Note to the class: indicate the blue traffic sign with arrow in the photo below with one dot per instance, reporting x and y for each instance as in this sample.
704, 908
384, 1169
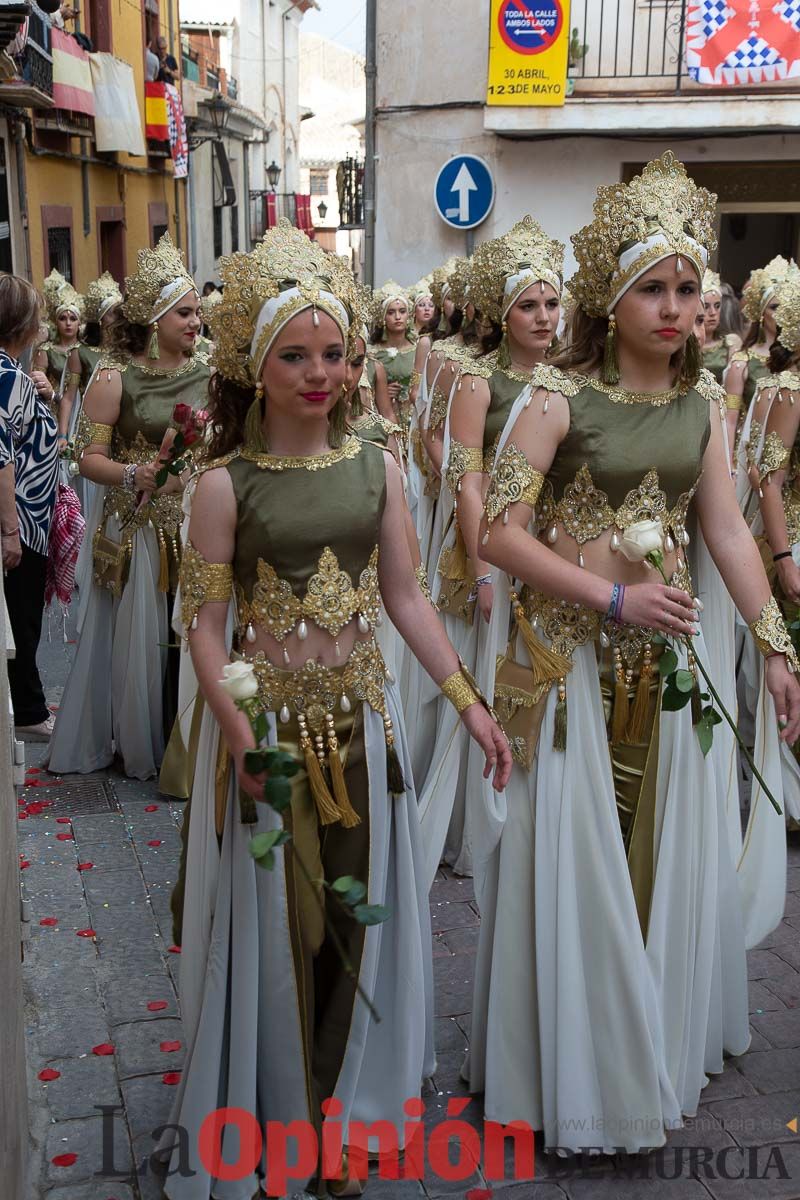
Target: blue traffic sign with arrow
464, 191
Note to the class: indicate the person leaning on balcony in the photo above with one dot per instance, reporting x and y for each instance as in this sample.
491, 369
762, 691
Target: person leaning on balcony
152, 65
28, 483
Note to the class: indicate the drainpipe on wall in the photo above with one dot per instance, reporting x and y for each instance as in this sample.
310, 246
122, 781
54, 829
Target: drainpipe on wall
370, 72
22, 196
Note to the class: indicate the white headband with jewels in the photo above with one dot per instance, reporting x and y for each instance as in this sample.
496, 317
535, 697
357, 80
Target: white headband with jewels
640, 257
392, 300
279, 310
67, 308
169, 296
516, 284
109, 303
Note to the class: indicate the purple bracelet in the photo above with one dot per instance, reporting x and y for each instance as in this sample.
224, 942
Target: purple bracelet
617, 614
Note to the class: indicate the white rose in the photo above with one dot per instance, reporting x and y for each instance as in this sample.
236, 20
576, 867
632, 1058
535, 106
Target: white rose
641, 539
239, 680
391, 352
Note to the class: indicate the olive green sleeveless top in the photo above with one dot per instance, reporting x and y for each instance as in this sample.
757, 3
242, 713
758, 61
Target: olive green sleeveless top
149, 395
620, 442
56, 362
716, 360
307, 531
504, 387
89, 357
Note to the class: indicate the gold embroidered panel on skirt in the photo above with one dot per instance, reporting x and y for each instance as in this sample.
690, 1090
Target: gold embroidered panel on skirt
438, 410
164, 512
331, 600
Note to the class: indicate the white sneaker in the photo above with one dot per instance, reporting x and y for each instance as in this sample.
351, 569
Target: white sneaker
37, 733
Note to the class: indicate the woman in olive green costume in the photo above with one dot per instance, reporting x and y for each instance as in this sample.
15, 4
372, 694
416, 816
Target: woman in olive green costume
65, 311
121, 694
392, 346
612, 975
296, 540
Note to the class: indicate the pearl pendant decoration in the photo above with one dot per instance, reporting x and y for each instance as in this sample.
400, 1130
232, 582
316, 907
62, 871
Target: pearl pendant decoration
379, 620
580, 558
527, 403
286, 658
552, 535
615, 541
363, 624
485, 538
336, 649
194, 621
505, 517
669, 545
698, 603
605, 640
284, 715
251, 633
546, 404
314, 318
685, 537
302, 630
472, 388
389, 676
345, 704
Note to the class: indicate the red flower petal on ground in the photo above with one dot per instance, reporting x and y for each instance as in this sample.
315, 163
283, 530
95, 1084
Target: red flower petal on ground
33, 783
85, 933
171, 1078
87, 866
64, 837
174, 949
33, 771
156, 1005
48, 1073
156, 842
103, 1049
169, 1047
24, 864
64, 1160
22, 816
151, 808
48, 921
63, 820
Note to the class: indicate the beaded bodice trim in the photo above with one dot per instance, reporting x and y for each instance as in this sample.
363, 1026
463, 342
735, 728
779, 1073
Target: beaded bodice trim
311, 462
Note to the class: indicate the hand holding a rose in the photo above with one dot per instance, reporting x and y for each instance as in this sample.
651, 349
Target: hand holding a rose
670, 610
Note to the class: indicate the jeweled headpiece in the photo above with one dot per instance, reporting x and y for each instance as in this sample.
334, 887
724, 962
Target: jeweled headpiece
101, 296
284, 275
764, 284
160, 281
60, 297
440, 281
660, 213
209, 302
458, 281
711, 283
386, 295
787, 314
503, 268
421, 289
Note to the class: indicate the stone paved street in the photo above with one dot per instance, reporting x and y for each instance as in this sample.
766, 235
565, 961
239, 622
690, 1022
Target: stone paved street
102, 1011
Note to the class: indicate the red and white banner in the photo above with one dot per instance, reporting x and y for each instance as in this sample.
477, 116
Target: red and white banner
72, 75
734, 42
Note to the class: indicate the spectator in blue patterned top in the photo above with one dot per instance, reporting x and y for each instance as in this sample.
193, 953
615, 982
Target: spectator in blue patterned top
28, 483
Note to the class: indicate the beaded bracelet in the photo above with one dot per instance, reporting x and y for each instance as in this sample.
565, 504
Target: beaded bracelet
129, 477
783, 554
483, 580
614, 612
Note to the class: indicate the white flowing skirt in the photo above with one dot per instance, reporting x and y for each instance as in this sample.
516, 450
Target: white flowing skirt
237, 984
113, 699
578, 1028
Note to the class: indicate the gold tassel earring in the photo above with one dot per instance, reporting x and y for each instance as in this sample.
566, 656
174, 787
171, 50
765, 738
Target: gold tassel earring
610, 364
503, 351
692, 361
253, 428
337, 421
152, 349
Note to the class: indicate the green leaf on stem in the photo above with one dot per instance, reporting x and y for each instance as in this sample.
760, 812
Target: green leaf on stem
263, 845
255, 762
658, 639
343, 884
371, 914
178, 442
356, 894
667, 663
278, 792
279, 762
161, 477
674, 700
684, 681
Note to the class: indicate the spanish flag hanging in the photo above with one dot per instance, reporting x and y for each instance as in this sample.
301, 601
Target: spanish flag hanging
155, 112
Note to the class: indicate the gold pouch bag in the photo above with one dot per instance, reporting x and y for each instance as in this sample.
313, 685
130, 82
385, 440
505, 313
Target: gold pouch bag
111, 561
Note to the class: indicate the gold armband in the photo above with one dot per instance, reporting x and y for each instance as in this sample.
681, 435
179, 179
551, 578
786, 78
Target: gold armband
732, 403
461, 690
513, 481
201, 583
415, 378
462, 460
96, 435
774, 456
73, 377
771, 635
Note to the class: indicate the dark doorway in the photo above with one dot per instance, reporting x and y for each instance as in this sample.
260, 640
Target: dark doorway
750, 239
6, 257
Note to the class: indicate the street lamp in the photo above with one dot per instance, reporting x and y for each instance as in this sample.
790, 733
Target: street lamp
220, 111
273, 174
322, 209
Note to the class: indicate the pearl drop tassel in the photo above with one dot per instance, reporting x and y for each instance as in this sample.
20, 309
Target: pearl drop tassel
389, 676
194, 621
546, 404
314, 317
485, 538
336, 649
286, 658
363, 624
552, 535
302, 631
698, 603
505, 517
580, 558
284, 715
605, 640
685, 537
528, 402
379, 620
615, 542
669, 545
345, 704
251, 633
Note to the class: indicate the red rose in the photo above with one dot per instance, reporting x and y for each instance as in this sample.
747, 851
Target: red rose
190, 436
181, 414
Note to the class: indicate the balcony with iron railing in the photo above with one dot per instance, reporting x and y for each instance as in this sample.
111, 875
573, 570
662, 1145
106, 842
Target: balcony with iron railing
266, 209
26, 62
350, 189
624, 54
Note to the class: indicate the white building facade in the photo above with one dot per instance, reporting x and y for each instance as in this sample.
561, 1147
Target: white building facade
632, 99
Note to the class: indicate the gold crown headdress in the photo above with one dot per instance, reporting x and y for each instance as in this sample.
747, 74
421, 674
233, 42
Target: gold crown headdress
208, 303
458, 281
423, 287
711, 283
285, 274
787, 314
160, 281
504, 267
764, 283
660, 213
101, 295
440, 281
60, 296
382, 297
